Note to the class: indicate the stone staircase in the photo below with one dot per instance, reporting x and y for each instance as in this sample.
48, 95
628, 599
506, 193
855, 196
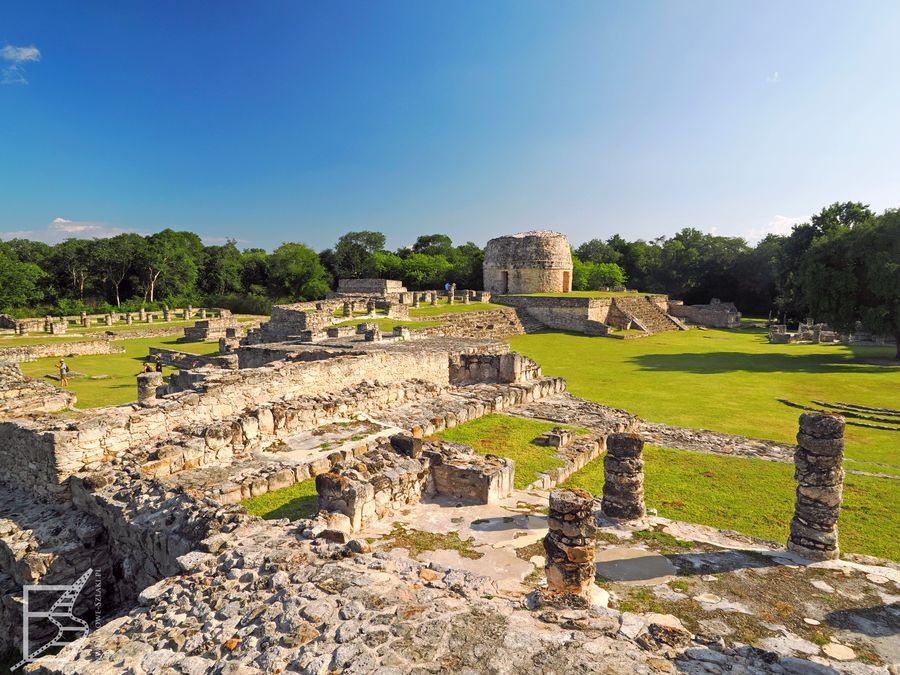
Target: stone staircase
646, 314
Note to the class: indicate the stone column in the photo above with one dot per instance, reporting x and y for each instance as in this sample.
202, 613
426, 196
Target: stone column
87, 321
129, 319
370, 308
188, 312
149, 317
819, 474
348, 311
415, 300
147, 384
401, 298
466, 298
569, 544
203, 312
84, 319
167, 315
623, 472
451, 295
109, 319
433, 298
142, 314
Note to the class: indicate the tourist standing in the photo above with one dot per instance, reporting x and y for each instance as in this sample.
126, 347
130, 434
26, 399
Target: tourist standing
63, 373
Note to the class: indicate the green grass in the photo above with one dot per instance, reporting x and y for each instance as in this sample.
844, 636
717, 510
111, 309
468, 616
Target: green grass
49, 339
756, 497
444, 308
300, 500
119, 386
728, 381
510, 437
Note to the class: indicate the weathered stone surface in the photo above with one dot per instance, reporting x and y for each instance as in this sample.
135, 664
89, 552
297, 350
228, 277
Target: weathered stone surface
623, 468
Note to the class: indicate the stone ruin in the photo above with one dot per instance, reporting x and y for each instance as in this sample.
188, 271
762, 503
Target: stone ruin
148, 494
539, 261
716, 314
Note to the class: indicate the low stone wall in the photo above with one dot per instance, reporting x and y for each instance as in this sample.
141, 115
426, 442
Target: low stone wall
186, 361
401, 471
560, 313
494, 323
25, 353
716, 314
474, 368
20, 395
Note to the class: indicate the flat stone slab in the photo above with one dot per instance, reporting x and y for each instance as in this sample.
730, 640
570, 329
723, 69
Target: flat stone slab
635, 566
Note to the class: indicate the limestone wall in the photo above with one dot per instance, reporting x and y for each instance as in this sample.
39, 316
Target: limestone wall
370, 286
716, 314
24, 353
185, 360
43, 454
561, 313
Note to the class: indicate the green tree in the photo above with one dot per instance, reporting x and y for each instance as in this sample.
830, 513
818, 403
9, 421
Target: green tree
425, 271
851, 275
116, 258
598, 251
18, 280
222, 266
75, 259
169, 264
296, 274
353, 254
434, 244
255, 271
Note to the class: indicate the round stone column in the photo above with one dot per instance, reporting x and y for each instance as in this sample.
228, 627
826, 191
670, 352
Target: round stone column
819, 474
147, 384
569, 544
623, 472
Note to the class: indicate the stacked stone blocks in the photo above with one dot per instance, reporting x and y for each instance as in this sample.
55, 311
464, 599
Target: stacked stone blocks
569, 544
820, 482
623, 470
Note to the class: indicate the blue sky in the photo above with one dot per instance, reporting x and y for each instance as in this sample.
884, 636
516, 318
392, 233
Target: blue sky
297, 121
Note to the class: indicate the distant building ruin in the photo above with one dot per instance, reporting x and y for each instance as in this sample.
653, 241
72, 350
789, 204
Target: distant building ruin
539, 261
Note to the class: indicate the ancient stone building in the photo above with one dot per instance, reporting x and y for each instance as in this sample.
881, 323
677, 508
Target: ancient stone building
529, 262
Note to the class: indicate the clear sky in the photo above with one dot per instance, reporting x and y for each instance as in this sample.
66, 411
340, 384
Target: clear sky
297, 121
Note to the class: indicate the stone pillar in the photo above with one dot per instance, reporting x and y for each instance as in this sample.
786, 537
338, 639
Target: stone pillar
167, 315
569, 544
348, 310
142, 314
819, 474
129, 319
373, 335
84, 319
48, 321
59, 327
451, 295
109, 319
203, 312
149, 317
188, 312
466, 297
87, 321
147, 384
370, 308
401, 298
415, 300
623, 471
401, 332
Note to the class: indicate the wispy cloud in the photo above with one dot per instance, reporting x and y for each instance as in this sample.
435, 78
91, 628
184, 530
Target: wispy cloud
774, 78
14, 72
778, 225
60, 229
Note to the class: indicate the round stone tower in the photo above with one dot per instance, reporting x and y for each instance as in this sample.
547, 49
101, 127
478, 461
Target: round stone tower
529, 262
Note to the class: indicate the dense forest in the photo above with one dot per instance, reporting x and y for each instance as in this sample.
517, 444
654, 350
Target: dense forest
842, 265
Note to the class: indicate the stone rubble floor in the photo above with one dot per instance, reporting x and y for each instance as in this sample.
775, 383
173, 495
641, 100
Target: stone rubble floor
728, 589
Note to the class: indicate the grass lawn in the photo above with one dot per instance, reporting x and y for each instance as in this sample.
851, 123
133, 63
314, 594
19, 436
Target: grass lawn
119, 385
300, 500
444, 308
510, 437
728, 381
756, 497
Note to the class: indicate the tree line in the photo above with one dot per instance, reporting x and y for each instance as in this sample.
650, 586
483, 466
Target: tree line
841, 266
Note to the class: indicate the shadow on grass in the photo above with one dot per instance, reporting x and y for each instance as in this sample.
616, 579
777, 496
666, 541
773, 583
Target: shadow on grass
726, 362
301, 507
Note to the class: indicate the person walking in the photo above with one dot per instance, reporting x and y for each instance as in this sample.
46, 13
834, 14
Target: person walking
63, 373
